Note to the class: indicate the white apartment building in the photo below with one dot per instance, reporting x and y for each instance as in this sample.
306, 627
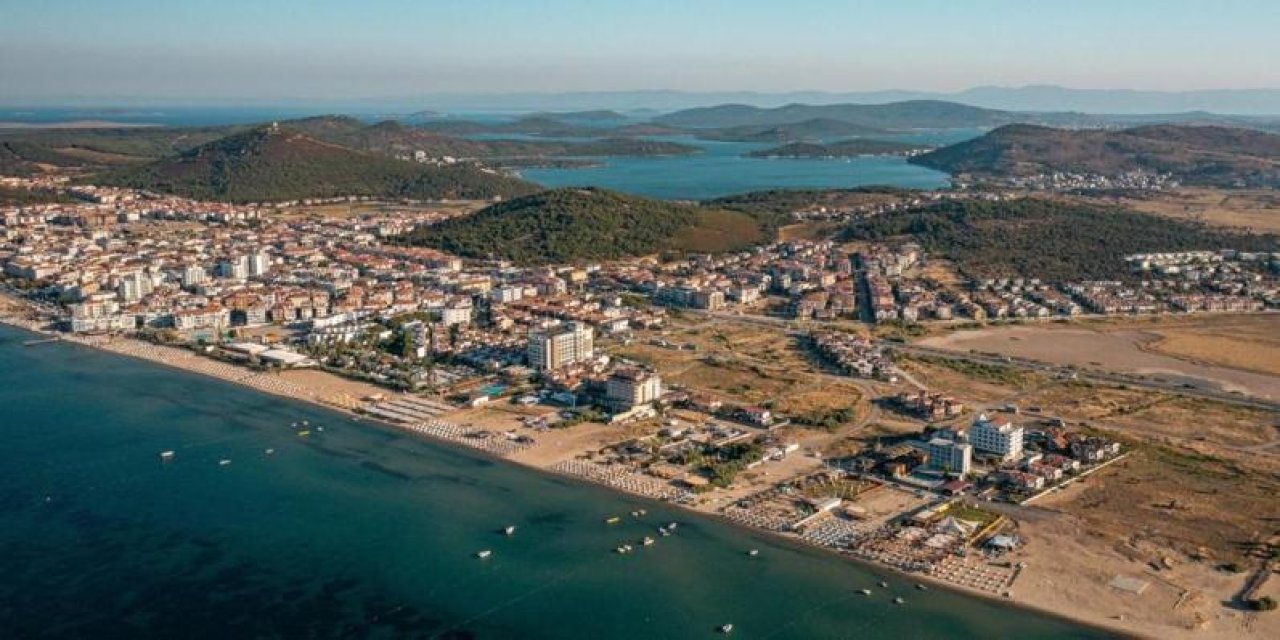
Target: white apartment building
1004, 440
560, 345
192, 275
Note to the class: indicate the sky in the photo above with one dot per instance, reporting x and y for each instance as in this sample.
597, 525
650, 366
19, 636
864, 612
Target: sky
365, 49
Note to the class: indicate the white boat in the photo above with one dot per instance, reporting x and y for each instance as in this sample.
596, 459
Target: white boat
865, 592
921, 587
484, 554
898, 600
672, 527
167, 455
753, 553
663, 531
642, 512
510, 530
270, 452
635, 514
224, 462
726, 627
884, 585
647, 541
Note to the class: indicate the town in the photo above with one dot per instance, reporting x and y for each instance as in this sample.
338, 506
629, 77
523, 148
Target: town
545, 365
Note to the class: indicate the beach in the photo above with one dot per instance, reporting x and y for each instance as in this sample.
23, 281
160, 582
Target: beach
1070, 585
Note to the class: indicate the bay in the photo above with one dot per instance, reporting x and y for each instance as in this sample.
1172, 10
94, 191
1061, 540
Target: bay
359, 531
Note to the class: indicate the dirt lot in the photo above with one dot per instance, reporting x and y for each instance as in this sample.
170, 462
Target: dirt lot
1255, 210
1124, 346
1251, 343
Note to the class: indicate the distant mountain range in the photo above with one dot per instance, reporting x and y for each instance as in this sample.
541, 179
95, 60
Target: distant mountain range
1250, 102
1204, 155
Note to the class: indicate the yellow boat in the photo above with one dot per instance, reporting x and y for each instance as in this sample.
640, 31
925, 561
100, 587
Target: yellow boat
304, 433
612, 520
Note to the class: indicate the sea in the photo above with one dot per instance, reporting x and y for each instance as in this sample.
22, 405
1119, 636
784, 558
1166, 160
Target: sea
723, 168
718, 169
361, 531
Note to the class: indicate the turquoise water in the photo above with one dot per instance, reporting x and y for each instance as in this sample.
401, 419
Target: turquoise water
360, 532
720, 170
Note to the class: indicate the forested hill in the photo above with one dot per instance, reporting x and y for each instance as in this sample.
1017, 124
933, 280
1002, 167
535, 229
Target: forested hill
1204, 155
575, 225
1051, 240
274, 164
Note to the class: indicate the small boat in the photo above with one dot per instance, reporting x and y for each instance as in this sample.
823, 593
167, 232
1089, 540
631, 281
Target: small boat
623, 549
270, 452
484, 554
672, 527
320, 429
304, 433
726, 627
753, 553
305, 423
663, 531
884, 585
898, 600
167, 456
635, 514
294, 425
510, 530
612, 520
224, 462
647, 541
642, 512
865, 592
921, 587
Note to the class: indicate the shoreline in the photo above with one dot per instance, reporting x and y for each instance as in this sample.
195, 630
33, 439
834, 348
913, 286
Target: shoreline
309, 396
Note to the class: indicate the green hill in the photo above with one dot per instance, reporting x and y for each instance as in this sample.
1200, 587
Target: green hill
1204, 155
815, 129
274, 164
1047, 239
631, 147
576, 225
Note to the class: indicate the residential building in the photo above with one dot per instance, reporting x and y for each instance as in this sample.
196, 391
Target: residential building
560, 345
1004, 440
629, 387
950, 457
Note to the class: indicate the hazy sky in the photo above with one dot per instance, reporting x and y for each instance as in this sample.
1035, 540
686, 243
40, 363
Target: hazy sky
274, 49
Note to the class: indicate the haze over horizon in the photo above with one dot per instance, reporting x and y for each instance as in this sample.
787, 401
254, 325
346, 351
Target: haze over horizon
134, 51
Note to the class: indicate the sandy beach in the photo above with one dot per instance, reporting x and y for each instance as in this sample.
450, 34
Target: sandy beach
1066, 576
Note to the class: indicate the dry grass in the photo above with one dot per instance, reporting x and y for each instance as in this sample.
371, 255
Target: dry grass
1179, 500
1241, 342
1254, 210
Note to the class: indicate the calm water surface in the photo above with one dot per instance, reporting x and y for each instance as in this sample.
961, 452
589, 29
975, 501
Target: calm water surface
360, 532
721, 169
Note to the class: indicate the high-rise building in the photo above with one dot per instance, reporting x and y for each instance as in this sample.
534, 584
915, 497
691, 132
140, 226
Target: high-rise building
560, 345
628, 387
1004, 440
259, 263
949, 457
192, 275
236, 268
